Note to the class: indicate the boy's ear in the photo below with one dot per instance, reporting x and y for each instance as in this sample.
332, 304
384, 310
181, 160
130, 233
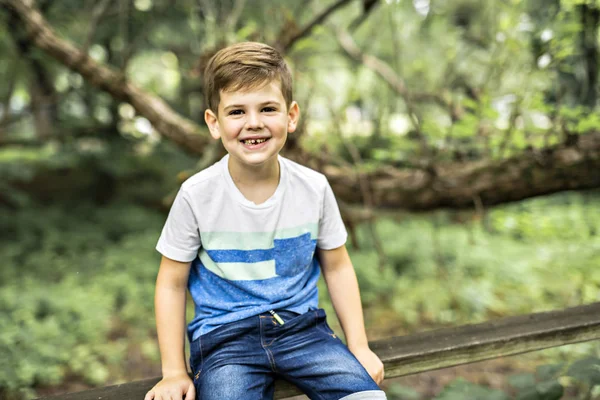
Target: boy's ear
293, 117
213, 123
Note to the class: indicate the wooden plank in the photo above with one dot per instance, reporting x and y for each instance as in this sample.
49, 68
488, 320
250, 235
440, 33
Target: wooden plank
405, 355
503, 337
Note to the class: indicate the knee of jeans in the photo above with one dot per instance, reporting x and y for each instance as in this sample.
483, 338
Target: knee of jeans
366, 395
230, 382
233, 375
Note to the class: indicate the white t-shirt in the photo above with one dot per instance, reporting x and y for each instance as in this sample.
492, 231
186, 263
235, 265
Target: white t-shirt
248, 258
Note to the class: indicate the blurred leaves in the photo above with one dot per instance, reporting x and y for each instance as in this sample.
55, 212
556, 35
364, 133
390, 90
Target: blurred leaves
74, 278
485, 262
461, 389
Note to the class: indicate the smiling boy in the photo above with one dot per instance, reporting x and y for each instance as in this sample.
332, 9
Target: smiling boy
249, 237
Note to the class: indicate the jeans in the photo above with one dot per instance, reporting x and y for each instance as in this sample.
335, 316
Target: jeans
241, 360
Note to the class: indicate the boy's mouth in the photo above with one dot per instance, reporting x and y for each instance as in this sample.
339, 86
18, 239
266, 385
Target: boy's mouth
254, 141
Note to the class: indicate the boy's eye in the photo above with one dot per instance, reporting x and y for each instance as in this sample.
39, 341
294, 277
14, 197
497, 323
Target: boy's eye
235, 112
269, 109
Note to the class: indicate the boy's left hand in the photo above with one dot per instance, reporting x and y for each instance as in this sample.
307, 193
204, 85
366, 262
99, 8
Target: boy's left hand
370, 361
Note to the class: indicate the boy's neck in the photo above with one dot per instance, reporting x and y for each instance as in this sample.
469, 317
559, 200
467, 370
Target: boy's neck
256, 183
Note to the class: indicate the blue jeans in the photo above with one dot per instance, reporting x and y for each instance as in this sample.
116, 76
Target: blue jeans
241, 360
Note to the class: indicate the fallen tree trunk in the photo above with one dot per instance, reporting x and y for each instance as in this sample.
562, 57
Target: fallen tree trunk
488, 182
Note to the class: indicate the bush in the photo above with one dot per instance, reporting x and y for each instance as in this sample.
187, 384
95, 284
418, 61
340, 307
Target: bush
72, 280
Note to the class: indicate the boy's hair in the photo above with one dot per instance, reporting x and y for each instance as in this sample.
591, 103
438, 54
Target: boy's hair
244, 66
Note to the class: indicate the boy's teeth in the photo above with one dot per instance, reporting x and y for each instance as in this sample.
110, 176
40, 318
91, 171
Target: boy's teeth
254, 141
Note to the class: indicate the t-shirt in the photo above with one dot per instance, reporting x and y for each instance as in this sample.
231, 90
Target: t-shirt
249, 258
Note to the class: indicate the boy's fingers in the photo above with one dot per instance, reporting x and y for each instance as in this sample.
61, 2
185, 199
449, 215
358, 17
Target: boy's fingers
191, 393
149, 395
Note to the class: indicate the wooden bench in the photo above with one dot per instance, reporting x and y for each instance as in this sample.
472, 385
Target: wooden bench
405, 355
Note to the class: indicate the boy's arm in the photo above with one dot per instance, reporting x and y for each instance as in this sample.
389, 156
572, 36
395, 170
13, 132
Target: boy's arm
342, 285
169, 303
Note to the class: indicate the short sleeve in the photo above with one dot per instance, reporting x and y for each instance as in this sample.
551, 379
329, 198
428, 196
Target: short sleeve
332, 232
180, 236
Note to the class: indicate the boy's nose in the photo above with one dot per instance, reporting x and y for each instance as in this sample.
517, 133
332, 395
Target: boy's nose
253, 121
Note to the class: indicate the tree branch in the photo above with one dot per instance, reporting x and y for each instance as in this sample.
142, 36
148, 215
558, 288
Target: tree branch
235, 15
385, 71
98, 13
394, 81
456, 184
368, 7
41, 87
5, 100
179, 129
287, 43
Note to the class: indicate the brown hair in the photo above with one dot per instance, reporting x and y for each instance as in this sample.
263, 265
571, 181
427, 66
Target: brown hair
246, 65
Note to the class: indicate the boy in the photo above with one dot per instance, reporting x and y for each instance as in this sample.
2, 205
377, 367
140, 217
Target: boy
248, 237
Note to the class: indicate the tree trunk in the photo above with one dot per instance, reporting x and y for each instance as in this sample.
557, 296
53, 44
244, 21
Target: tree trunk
41, 88
590, 20
461, 185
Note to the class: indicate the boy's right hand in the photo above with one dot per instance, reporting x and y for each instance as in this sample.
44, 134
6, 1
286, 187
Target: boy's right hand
176, 387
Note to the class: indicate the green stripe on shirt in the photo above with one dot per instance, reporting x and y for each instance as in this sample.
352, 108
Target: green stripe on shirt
239, 271
254, 240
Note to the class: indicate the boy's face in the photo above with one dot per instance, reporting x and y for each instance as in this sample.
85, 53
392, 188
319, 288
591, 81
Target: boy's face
253, 124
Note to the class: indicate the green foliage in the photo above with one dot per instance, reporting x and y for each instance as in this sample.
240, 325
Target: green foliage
548, 371
528, 388
548, 383
586, 371
486, 263
536, 255
456, 90
398, 392
72, 279
462, 389
580, 119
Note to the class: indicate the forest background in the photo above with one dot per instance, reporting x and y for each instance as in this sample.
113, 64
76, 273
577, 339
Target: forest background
461, 137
